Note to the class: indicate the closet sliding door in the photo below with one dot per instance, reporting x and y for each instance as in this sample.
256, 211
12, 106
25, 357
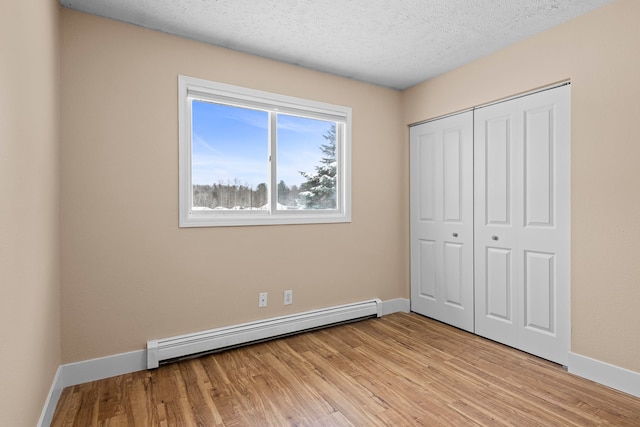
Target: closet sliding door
490, 222
522, 223
442, 220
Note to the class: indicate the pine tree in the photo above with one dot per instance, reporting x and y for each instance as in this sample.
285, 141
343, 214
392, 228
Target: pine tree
283, 193
319, 191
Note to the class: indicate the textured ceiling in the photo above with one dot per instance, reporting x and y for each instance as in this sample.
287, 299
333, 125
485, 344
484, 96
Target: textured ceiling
392, 43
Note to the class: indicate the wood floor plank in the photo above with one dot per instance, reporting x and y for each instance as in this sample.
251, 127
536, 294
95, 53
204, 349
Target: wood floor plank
296, 391
398, 370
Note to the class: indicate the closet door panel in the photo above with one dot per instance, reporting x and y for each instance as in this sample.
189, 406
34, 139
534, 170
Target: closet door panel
499, 285
425, 148
495, 183
544, 237
427, 272
538, 150
454, 274
452, 174
539, 291
497, 157
442, 220
524, 302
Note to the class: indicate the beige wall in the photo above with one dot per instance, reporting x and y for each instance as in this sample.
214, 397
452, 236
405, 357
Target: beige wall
600, 53
29, 264
129, 273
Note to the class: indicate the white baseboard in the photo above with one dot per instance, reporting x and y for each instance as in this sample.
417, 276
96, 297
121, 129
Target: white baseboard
89, 370
46, 416
398, 305
105, 367
606, 374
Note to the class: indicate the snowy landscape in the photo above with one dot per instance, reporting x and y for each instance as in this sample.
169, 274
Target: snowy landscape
318, 191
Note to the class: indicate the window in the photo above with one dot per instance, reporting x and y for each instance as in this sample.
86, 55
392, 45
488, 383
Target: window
249, 157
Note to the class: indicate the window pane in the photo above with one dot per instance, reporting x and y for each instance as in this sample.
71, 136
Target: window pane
229, 157
307, 163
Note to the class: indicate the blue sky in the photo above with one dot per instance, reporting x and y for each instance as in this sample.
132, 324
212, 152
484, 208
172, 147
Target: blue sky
231, 142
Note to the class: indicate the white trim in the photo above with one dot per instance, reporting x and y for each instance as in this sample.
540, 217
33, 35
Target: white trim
606, 374
237, 95
46, 416
398, 305
104, 367
86, 371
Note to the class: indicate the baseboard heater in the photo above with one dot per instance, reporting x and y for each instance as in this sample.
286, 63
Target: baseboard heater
168, 349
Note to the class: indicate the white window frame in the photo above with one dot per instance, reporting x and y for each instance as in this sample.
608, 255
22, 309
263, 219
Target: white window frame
190, 88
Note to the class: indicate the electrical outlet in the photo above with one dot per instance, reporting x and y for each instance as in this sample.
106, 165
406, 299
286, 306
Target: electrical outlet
262, 299
288, 297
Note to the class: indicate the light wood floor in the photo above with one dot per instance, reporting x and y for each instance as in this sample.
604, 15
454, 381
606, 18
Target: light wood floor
399, 370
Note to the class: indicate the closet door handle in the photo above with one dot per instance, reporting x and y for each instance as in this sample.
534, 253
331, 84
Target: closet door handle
494, 237
455, 234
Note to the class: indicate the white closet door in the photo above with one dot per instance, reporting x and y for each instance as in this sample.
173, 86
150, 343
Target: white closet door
522, 223
442, 220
